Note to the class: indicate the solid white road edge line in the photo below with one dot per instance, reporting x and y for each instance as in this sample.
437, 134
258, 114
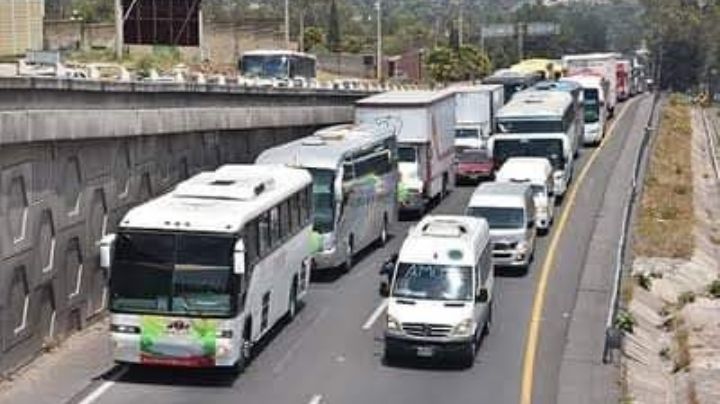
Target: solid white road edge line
375, 314
105, 386
316, 399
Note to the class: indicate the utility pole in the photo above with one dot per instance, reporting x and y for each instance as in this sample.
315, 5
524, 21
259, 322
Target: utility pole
521, 34
378, 62
460, 23
119, 18
287, 24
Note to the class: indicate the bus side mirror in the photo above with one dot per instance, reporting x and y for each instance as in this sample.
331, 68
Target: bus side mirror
482, 296
531, 223
107, 244
239, 258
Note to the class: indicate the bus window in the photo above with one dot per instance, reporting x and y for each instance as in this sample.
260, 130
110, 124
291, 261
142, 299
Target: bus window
275, 226
264, 234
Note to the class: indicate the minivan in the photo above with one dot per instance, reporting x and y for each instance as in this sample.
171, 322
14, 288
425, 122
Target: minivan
509, 210
440, 290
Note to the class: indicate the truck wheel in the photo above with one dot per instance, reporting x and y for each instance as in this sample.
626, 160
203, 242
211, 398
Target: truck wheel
468, 359
488, 322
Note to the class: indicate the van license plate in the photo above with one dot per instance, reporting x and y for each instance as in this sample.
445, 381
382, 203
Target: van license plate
425, 351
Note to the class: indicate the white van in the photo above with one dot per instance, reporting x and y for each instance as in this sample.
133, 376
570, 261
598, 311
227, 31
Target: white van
538, 172
440, 289
510, 212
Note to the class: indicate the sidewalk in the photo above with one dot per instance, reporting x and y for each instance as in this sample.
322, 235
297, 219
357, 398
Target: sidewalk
55, 377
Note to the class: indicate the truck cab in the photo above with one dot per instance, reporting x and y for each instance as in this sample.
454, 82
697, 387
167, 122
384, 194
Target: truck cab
440, 290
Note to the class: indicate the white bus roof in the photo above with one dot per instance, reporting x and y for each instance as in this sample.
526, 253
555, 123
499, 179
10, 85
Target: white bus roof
536, 103
499, 194
277, 52
586, 80
531, 169
327, 147
405, 98
220, 201
446, 240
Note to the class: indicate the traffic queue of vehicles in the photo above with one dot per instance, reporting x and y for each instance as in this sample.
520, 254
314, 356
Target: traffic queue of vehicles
201, 274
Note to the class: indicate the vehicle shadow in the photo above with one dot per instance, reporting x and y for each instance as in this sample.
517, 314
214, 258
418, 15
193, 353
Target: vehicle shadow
511, 272
331, 275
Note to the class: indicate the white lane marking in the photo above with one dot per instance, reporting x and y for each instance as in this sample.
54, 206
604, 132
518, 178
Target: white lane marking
375, 314
316, 399
105, 386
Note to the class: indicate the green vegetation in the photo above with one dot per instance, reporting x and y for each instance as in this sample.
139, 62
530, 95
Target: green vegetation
665, 225
625, 321
466, 63
714, 289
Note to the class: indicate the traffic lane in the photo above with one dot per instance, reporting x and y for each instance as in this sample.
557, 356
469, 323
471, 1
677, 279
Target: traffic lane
615, 157
325, 351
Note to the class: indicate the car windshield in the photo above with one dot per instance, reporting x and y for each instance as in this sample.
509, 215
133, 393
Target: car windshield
473, 156
530, 126
466, 133
265, 66
407, 154
500, 218
552, 149
324, 200
433, 282
168, 273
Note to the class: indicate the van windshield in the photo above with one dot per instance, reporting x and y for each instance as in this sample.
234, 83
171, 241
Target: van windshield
550, 148
500, 218
433, 282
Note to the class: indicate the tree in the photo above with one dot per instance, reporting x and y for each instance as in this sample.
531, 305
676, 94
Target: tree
445, 64
313, 37
333, 37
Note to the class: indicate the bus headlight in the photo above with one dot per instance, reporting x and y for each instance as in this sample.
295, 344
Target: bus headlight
124, 329
464, 328
392, 323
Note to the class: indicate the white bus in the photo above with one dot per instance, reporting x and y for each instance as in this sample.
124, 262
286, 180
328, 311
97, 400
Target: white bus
280, 66
539, 124
355, 178
595, 90
202, 273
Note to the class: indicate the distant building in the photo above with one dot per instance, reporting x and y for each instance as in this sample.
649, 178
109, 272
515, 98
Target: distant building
21, 26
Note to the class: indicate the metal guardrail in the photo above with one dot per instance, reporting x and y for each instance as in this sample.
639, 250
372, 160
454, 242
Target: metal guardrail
712, 139
613, 335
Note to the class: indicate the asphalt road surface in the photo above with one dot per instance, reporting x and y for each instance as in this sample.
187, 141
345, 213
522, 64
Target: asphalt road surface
332, 351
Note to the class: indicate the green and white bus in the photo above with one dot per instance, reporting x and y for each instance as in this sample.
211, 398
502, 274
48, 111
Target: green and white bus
355, 177
202, 273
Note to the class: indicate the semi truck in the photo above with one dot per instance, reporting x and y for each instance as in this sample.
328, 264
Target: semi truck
624, 71
475, 110
424, 122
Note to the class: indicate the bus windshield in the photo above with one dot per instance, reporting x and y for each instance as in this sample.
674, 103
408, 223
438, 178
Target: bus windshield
466, 133
324, 200
265, 66
552, 149
172, 273
530, 126
592, 111
433, 282
500, 218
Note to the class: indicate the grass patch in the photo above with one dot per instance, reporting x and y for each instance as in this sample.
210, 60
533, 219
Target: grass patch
714, 289
665, 223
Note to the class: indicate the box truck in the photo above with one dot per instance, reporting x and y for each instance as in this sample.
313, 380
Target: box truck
424, 122
475, 110
603, 64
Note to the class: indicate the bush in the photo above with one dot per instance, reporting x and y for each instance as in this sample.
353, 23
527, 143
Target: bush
686, 298
714, 289
625, 321
644, 280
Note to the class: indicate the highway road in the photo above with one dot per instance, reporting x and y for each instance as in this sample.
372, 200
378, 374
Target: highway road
332, 351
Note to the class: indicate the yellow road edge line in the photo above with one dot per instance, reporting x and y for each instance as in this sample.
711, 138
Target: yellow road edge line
528, 372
